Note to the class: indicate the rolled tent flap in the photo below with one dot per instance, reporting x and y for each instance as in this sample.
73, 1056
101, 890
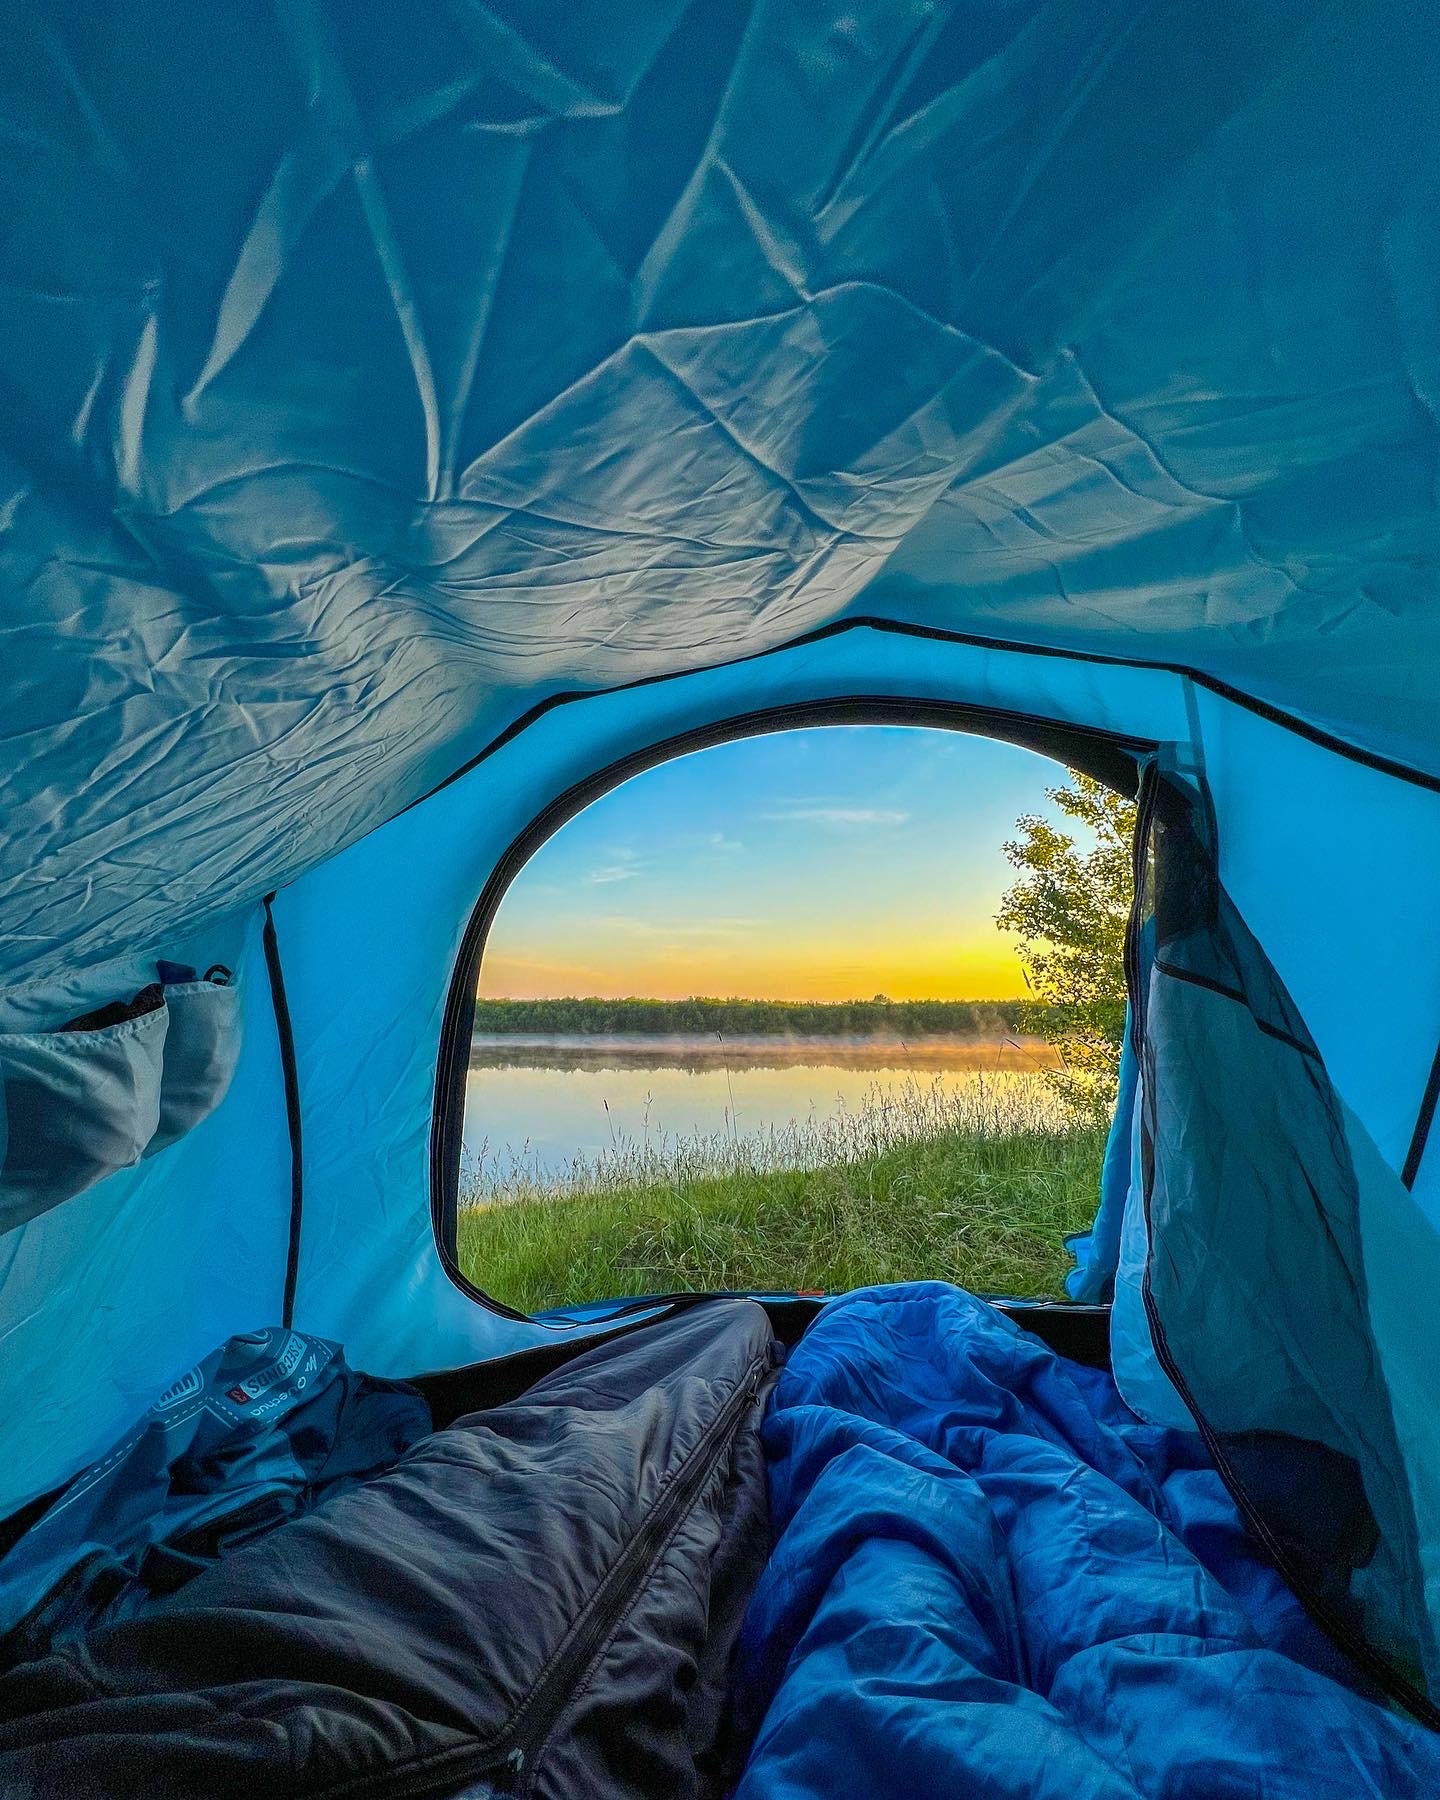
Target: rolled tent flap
1277, 1302
1097, 1251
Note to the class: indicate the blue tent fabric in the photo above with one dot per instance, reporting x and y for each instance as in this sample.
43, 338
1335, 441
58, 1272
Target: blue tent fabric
261, 1429
408, 415
992, 1578
1097, 1251
371, 374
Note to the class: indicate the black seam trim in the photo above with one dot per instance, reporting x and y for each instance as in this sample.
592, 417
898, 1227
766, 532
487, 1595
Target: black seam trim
285, 1036
1264, 709
1424, 1119
1228, 993
1387, 1679
1104, 751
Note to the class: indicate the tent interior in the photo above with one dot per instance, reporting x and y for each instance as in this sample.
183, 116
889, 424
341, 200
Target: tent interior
416, 418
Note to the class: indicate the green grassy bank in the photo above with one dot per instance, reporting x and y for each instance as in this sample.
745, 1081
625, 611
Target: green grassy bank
977, 1188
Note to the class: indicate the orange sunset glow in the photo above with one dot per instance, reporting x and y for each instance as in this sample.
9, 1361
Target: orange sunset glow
827, 864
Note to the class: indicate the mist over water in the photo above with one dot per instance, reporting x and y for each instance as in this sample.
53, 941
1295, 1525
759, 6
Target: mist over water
534, 1105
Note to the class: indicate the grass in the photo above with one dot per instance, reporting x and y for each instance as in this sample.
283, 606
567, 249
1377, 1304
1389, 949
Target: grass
977, 1185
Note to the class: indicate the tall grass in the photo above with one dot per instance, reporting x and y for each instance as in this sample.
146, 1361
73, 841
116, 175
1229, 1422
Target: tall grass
977, 1184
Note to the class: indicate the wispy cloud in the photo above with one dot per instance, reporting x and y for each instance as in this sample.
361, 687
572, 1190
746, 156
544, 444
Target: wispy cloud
623, 865
695, 929
837, 815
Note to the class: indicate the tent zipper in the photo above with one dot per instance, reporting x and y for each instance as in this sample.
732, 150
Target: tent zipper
508, 1761
511, 1761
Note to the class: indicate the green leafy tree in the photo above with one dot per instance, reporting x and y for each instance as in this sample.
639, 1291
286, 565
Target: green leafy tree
1069, 910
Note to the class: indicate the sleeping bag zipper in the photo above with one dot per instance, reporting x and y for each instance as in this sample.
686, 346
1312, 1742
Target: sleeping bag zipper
511, 1761
507, 1763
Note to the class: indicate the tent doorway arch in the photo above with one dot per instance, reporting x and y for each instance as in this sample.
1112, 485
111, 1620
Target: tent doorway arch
1109, 758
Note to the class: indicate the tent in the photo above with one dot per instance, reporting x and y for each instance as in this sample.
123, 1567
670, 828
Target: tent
415, 418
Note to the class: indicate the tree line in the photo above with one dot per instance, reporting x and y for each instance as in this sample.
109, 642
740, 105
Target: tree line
702, 1015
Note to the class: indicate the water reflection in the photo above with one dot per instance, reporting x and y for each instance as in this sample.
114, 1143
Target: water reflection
537, 1104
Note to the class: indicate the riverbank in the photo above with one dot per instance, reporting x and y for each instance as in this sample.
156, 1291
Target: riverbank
980, 1189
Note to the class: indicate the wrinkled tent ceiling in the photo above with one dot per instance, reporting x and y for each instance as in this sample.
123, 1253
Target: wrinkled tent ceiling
371, 371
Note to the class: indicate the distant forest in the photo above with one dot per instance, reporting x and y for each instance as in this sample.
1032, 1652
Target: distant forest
736, 1018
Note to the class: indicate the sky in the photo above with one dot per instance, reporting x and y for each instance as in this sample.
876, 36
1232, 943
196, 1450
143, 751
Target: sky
826, 864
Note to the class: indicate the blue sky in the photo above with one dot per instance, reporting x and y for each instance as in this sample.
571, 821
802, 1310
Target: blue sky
830, 864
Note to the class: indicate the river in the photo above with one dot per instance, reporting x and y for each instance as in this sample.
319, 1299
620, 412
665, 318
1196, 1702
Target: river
533, 1105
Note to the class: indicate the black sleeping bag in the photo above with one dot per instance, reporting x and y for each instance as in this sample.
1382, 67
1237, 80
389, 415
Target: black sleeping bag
541, 1599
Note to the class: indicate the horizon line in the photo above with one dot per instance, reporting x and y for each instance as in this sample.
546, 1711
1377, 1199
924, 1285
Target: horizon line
737, 1000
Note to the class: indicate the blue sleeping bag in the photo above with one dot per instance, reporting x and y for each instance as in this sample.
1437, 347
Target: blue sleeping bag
992, 1579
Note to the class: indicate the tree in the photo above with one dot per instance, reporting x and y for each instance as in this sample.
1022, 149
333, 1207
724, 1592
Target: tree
1069, 911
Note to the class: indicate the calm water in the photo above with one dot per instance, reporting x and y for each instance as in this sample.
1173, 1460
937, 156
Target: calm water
538, 1103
